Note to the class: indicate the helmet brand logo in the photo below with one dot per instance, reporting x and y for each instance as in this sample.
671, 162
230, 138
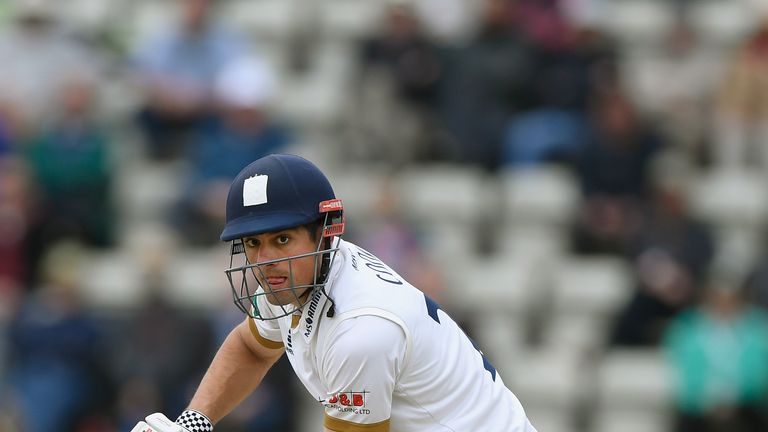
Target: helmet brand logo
255, 190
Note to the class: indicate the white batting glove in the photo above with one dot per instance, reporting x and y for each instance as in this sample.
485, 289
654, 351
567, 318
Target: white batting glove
188, 421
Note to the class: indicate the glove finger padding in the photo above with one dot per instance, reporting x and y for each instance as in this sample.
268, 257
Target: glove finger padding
161, 423
158, 422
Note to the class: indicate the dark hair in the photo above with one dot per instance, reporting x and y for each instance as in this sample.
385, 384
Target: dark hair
314, 228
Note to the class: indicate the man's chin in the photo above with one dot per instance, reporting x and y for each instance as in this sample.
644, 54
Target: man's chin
286, 298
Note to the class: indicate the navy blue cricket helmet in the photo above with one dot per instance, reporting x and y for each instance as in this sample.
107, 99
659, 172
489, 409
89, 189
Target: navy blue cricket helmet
275, 192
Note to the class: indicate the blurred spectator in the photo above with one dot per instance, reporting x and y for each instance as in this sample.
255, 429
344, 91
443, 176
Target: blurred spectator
14, 225
72, 167
38, 55
756, 286
16, 219
400, 76
177, 68
407, 54
676, 87
741, 131
571, 71
6, 136
543, 136
485, 82
671, 253
543, 22
616, 160
573, 65
161, 351
614, 170
240, 130
719, 351
56, 374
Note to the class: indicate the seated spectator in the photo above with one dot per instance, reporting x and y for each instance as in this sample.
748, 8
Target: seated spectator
397, 83
676, 86
543, 136
671, 253
614, 170
5, 140
70, 161
741, 135
241, 130
56, 370
404, 51
177, 68
718, 351
160, 354
38, 55
485, 81
756, 289
16, 219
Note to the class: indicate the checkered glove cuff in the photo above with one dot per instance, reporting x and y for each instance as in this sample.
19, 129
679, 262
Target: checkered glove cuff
194, 421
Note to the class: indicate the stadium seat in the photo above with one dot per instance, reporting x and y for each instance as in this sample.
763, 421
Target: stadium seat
738, 250
90, 17
730, 197
634, 380
549, 420
512, 284
147, 17
195, 279
447, 203
314, 99
502, 336
722, 23
111, 281
541, 243
500, 296
612, 421
583, 334
268, 21
549, 379
360, 189
585, 295
350, 19
638, 22
442, 193
539, 195
146, 190
594, 286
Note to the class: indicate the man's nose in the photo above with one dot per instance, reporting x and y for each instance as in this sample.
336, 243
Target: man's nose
265, 254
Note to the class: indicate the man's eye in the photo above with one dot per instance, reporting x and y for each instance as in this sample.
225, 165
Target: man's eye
283, 240
251, 243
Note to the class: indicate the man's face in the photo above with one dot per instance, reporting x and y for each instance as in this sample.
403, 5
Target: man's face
280, 277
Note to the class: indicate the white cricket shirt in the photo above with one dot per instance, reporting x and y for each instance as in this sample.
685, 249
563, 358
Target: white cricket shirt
389, 359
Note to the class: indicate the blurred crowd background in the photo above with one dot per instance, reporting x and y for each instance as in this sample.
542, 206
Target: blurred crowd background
582, 184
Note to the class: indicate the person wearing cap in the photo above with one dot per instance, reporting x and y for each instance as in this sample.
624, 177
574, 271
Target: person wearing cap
375, 352
175, 68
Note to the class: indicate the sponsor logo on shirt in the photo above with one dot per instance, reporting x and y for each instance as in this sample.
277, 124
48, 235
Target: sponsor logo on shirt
310, 319
289, 344
353, 402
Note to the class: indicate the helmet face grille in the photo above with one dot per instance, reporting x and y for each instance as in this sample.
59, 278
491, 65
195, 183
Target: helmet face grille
248, 281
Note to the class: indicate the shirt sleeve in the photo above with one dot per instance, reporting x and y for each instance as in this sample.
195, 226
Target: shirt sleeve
267, 333
362, 361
